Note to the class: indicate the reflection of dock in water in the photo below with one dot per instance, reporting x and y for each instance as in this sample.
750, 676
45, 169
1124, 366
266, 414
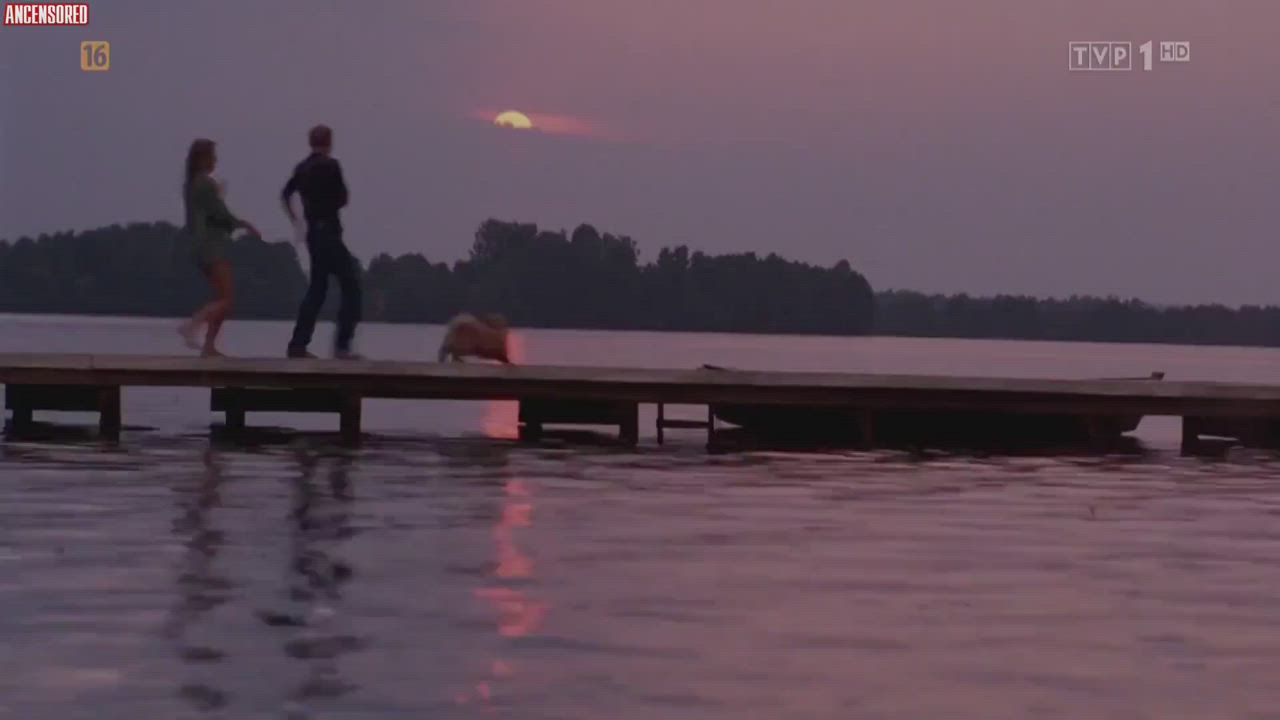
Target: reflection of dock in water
320, 517
201, 589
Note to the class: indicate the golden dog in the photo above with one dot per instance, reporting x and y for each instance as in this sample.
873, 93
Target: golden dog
471, 336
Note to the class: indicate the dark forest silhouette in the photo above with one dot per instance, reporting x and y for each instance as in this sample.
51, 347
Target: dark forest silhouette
536, 278
1078, 318
585, 279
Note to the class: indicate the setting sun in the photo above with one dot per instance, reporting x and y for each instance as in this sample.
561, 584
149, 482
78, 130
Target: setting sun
514, 120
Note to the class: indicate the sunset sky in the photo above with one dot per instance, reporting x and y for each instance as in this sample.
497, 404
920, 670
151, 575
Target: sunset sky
937, 145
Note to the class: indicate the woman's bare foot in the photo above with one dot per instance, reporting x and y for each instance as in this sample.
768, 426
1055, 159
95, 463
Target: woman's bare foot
188, 332
211, 353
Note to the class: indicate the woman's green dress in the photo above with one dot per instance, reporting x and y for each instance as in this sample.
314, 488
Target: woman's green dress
209, 222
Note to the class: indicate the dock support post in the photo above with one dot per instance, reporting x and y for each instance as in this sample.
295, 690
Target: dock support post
664, 423
531, 430
536, 413
236, 402
1191, 427
233, 412
350, 418
23, 415
109, 420
711, 427
24, 400
629, 425
22, 420
1099, 441
866, 429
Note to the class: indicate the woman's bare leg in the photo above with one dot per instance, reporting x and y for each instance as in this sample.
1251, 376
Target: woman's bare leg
216, 312
189, 329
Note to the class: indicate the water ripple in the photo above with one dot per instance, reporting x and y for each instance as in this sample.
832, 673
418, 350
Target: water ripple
450, 578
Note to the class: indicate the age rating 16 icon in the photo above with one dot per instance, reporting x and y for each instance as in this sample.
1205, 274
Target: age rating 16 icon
95, 56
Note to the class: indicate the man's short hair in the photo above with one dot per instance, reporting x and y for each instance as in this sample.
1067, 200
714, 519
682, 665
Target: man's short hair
320, 136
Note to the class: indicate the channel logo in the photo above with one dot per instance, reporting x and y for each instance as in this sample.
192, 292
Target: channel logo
1099, 56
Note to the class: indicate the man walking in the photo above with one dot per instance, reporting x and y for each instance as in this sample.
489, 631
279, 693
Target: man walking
318, 179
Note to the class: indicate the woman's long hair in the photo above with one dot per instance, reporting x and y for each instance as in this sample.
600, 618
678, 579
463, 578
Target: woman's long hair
199, 159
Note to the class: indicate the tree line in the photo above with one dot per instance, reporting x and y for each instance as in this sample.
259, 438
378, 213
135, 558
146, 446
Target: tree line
1078, 318
537, 278
584, 279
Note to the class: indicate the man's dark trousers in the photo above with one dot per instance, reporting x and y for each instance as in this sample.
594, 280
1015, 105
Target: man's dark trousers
329, 256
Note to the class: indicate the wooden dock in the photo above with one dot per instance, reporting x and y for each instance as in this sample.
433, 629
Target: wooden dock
597, 395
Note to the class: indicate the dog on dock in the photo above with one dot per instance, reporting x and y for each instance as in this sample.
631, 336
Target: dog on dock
483, 336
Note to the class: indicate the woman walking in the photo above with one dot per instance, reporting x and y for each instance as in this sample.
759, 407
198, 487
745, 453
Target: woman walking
210, 223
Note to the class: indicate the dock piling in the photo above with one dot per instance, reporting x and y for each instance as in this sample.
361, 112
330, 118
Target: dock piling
236, 402
109, 414
23, 400
867, 429
536, 413
663, 423
21, 419
350, 416
1191, 429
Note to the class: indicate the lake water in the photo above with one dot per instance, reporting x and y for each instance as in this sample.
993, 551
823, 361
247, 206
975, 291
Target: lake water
442, 571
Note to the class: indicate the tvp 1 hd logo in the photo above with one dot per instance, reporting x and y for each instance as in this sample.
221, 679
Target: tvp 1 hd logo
1112, 56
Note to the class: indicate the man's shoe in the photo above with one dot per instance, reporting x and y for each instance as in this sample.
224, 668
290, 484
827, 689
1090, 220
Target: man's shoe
300, 354
347, 355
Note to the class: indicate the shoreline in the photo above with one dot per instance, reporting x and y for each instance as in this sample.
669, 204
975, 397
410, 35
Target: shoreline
35, 317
